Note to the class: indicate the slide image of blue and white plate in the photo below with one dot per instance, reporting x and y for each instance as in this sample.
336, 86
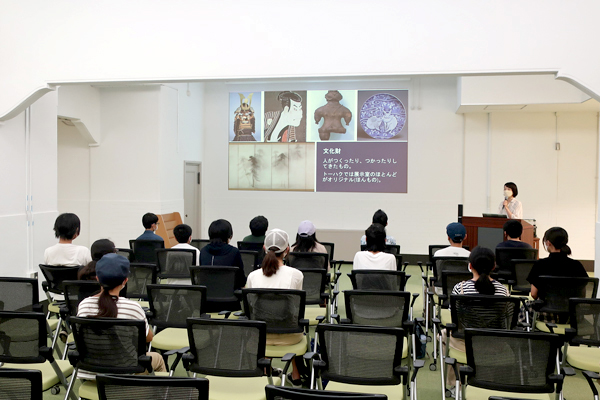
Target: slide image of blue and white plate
382, 116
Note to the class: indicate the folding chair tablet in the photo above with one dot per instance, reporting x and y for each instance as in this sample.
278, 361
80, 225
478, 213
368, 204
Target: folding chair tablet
107, 345
287, 393
231, 353
23, 345
175, 263
20, 384
145, 250
583, 337
117, 387
220, 287
510, 363
372, 279
199, 243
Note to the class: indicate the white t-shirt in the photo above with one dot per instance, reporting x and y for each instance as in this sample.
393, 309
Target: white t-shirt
285, 278
127, 309
67, 254
183, 281
368, 260
187, 246
451, 251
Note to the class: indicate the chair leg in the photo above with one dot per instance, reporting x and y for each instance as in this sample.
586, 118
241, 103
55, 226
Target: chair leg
70, 386
442, 367
55, 338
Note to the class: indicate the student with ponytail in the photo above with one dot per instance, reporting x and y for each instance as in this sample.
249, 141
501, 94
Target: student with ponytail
112, 271
481, 264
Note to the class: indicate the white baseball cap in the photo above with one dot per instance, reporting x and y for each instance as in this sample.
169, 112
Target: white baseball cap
278, 239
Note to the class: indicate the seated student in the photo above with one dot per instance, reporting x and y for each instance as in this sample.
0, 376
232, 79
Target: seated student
381, 218
66, 229
512, 231
375, 257
219, 252
258, 227
99, 248
275, 275
457, 233
150, 222
112, 271
306, 240
481, 263
183, 234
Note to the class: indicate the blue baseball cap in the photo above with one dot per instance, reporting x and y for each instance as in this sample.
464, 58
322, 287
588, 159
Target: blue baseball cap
456, 231
112, 269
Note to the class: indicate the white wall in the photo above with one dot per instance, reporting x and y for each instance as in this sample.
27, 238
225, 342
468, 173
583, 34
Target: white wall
448, 164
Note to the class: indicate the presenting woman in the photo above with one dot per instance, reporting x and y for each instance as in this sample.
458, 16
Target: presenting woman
510, 206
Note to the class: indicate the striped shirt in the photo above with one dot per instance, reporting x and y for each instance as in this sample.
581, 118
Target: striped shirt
468, 287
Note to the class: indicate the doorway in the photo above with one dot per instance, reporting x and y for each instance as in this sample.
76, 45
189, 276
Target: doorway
191, 198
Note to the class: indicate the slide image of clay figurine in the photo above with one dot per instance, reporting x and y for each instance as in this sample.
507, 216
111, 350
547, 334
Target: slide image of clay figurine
382, 116
280, 126
244, 121
332, 112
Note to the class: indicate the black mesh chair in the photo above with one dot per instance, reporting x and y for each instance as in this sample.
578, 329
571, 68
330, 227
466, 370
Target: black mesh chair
23, 345
145, 250
520, 286
283, 311
308, 260
504, 255
170, 306
19, 294
287, 393
220, 287
252, 246
224, 350
127, 253
505, 363
116, 387
365, 359
55, 275
199, 243
107, 346
553, 300
372, 279
250, 261
583, 337
75, 292
389, 248
20, 384
140, 276
316, 286
175, 263
330, 247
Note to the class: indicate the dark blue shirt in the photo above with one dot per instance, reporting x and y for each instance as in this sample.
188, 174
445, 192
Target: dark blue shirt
150, 235
513, 244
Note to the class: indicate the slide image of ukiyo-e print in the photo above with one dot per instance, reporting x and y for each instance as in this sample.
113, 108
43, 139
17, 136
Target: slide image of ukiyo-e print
331, 115
245, 121
284, 116
272, 166
382, 114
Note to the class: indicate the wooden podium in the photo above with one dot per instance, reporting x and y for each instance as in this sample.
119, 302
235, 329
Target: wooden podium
489, 232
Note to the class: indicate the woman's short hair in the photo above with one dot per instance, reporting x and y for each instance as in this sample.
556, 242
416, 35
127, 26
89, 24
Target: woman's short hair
66, 226
513, 187
220, 231
375, 235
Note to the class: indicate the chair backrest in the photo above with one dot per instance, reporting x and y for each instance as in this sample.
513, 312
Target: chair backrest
450, 279
381, 308
557, 290
250, 260
585, 319
307, 260
479, 311
140, 276
117, 387
175, 263
281, 309
504, 255
330, 247
288, 393
314, 284
454, 264
145, 250
76, 291
20, 384
366, 355
389, 248
374, 279
171, 305
127, 253
521, 270
23, 338
109, 345
19, 294
433, 248
511, 360
199, 243
55, 275
229, 348
218, 280
251, 246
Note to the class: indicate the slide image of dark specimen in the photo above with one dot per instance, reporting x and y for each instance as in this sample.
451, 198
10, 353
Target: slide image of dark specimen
332, 112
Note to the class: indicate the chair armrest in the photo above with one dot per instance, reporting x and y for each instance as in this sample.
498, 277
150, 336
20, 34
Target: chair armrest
45, 286
568, 371
46, 352
450, 327
420, 264
558, 380
149, 314
414, 298
225, 313
417, 364
146, 362
551, 326
304, 322
409, 326
344, 321
590, 376
188, 359
73, 357
182, 350
462, 372
537, 304
404, 266
320, 319
570, 333
403, 372
336, 317
240, 315
238, 294
64, 312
